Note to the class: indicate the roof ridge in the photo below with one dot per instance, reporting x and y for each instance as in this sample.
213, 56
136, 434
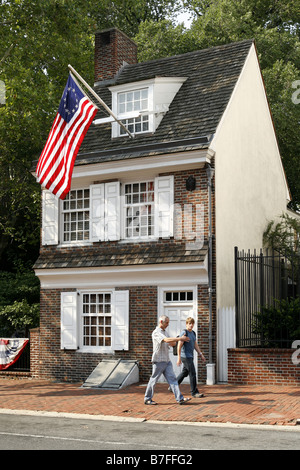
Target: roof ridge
196, 51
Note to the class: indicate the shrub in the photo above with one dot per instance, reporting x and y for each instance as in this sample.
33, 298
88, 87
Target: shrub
278, 325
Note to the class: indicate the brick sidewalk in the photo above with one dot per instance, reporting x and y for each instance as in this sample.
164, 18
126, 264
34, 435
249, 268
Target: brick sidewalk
268, 405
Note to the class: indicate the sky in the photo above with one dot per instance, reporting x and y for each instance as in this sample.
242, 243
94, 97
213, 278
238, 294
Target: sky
184, 18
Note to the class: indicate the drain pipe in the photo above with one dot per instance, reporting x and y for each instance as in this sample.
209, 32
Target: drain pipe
210, 367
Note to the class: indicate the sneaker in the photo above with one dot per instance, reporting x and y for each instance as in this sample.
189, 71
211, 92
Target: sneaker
170, 390
150, 402
183, 401
198, 395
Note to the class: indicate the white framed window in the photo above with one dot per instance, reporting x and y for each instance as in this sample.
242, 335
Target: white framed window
97, 319
139, 210
76, 216
133, 104
141, 105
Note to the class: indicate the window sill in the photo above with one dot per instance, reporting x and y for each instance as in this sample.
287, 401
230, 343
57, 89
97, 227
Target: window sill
138, 240
95, 350
72, 244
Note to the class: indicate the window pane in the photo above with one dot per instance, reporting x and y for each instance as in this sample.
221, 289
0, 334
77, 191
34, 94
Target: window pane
189, 296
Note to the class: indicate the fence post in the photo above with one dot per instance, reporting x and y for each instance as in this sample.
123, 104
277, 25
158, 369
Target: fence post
236, 285
261, 288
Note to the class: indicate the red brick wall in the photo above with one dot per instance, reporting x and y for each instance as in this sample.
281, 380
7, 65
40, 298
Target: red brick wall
34, 352
257, 366
112, 47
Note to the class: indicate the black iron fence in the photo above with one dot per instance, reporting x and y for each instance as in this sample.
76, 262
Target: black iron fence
267, 291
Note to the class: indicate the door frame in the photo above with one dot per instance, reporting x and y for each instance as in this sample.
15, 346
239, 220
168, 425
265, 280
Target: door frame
162, 304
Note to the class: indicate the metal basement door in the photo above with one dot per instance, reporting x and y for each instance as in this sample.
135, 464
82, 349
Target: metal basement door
178, 306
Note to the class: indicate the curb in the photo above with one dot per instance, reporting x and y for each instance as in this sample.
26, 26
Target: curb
56, 414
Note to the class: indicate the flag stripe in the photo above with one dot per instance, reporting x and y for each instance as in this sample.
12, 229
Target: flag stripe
55, 165
43, 154
75, 142
53, 143
56, 150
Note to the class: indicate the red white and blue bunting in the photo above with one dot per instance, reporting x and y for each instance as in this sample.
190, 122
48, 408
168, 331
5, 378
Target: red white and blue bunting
10, 350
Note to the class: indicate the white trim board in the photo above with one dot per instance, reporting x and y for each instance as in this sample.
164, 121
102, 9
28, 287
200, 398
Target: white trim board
146, 275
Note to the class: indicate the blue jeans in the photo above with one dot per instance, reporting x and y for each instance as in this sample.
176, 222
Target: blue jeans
189, 370
165, 368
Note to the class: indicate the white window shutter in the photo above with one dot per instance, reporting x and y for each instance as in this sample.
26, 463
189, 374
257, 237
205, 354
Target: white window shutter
120, 320
50, 204
164, 197
69, 320
112, 210
97, 211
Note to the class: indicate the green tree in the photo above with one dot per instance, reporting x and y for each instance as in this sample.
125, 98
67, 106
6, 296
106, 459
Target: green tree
128, 15
166, 40
278, 325
19, 303
283, 235
42, 37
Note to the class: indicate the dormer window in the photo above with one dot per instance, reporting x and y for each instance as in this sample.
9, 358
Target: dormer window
134, 103
141, 106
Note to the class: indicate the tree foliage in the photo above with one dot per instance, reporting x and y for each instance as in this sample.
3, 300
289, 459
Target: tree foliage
19, 303
278, 325
283, 235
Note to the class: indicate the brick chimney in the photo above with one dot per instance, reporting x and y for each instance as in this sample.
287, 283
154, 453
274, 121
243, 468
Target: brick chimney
112, 49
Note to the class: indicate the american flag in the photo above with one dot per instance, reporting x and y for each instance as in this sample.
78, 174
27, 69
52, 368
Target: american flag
74, 116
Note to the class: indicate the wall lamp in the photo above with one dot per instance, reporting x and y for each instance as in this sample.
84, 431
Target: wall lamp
190, 183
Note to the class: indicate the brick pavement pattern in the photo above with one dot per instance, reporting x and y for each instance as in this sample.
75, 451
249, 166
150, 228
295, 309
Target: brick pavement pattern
245, 404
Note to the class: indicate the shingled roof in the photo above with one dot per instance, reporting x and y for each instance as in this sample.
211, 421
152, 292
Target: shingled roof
193, 115
109, 254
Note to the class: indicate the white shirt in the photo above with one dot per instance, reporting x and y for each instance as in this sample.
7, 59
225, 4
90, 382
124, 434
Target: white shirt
160, 348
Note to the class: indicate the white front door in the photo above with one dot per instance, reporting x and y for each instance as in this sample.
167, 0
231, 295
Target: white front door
178, 306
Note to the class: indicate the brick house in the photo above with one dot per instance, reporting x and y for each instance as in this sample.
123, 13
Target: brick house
144, 230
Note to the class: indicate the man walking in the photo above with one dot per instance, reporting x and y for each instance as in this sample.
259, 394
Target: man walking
186, 356
161, 363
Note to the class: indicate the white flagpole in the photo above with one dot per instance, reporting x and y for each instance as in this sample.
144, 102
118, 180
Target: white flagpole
99, 99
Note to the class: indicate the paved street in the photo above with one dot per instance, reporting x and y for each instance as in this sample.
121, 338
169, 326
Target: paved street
36, 432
